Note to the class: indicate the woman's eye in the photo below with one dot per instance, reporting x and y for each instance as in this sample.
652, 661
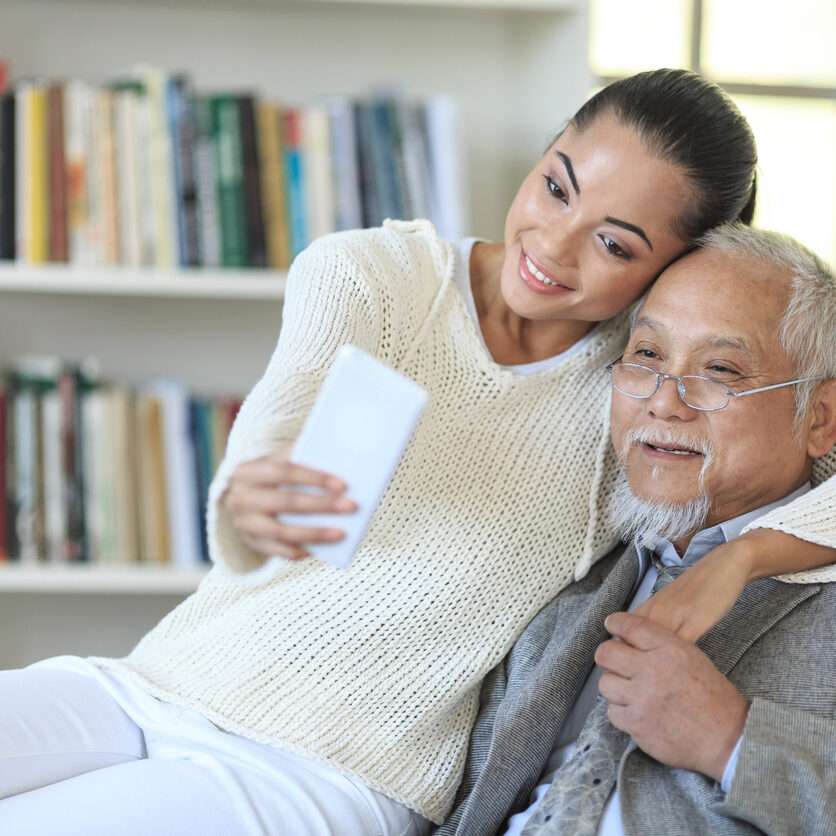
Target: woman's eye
615, 249
554, 188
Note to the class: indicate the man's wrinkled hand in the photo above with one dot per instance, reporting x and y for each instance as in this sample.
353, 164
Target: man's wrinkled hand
669, 697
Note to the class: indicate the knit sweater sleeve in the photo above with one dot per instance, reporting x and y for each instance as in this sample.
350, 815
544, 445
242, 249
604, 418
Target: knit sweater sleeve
811, 517
328, 303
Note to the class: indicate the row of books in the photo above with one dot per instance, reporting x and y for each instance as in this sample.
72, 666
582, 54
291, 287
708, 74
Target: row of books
98, 471
148, 171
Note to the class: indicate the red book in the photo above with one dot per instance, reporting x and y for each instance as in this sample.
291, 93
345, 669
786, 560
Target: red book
4, 551
58, 250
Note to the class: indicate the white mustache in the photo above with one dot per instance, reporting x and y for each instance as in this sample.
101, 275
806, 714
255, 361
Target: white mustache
668, 438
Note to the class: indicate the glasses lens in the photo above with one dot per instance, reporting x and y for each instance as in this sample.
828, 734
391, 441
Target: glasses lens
638, 381
702, 393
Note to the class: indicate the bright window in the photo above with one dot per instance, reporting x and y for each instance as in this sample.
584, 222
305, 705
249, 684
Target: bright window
777, 60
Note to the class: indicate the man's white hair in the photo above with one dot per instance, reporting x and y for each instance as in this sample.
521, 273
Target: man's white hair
808, 327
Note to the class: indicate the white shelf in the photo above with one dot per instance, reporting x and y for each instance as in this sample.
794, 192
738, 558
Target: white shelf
146, 282
86, 579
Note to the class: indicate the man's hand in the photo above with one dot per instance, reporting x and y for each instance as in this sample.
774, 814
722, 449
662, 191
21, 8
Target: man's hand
668, 696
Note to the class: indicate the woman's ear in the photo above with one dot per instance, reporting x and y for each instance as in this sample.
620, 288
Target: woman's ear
821, 435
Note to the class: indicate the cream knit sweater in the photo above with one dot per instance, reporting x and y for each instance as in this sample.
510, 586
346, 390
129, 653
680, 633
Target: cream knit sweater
498, 503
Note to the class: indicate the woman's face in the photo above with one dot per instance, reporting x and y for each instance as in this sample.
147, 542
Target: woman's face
589, 228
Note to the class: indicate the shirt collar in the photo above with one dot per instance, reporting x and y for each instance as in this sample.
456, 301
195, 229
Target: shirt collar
704, 541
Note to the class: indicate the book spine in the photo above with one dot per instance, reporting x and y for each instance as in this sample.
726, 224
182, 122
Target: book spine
295, 174
4, 519
344, 164
319, 182
256, 244
77, 116
371, 212
58, 250
23, 170
127, 175
273, 194
39, 178
182, 141
226, 125
208, 212
166, 235
7, 175
108, 199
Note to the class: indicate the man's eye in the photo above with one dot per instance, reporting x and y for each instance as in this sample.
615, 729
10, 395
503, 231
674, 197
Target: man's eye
554, 188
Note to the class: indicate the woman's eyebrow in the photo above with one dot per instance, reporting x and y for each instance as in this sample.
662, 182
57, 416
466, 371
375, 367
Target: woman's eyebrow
631, 228
569, 170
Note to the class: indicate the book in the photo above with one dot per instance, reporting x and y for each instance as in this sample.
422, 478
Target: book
344, 164
4, 527
370, 213
129, 173
208, 211
153, 498
447, 167
105, 166
121, 417
273, 193
319, 181
382, 146
295, 173
180, 484
185, 191
415, 160
58, 248
7, 175
77, 140
72, 381
162, 191
226, 126
256, 245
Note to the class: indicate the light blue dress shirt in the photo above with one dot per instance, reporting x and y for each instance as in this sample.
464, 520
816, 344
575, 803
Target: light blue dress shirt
700, 545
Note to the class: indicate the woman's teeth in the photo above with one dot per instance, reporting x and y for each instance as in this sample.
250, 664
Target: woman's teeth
538, 274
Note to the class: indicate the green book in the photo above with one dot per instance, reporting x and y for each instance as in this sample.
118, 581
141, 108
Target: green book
226, 129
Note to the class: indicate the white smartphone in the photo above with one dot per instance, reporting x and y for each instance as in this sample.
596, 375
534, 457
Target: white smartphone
358, 429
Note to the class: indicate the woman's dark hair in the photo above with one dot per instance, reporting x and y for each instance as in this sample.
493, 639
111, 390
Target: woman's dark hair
692, 123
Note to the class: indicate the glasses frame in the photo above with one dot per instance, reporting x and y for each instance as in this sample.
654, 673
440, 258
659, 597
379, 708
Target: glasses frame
661, 377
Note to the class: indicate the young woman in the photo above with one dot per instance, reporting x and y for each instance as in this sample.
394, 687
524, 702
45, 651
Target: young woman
307, 700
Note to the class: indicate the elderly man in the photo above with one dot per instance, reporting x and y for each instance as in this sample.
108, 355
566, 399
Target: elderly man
721, 401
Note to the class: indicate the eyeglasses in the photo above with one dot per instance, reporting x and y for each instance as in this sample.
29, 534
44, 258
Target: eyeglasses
697, 392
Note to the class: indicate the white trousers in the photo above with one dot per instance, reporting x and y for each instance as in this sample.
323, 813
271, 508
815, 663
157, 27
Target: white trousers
73, 762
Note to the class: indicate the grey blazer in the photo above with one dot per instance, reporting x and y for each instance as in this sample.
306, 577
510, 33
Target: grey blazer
777, 645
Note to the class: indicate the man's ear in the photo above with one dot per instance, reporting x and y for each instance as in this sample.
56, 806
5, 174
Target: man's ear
822, 433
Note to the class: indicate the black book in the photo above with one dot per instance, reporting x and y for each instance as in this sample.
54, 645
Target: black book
7, 175
252, 184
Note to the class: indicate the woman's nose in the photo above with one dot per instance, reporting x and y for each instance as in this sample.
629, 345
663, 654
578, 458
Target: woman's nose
561, 242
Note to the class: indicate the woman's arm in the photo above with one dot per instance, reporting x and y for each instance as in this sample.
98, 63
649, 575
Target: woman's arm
699, 598
328, 303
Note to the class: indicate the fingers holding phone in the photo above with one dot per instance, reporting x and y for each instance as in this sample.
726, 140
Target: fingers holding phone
262, 490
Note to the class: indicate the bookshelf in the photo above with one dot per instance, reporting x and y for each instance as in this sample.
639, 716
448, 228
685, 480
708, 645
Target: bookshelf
516, 69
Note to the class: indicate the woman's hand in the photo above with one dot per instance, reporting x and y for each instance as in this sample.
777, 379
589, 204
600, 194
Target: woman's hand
262, 489
699, 598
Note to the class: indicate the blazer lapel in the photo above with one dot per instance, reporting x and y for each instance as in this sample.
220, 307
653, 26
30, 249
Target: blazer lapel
761, 606
532, 714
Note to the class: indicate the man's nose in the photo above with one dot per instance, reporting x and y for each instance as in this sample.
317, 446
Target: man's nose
665, 402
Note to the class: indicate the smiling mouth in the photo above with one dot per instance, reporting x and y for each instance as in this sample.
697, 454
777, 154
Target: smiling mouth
676, 451
536, 278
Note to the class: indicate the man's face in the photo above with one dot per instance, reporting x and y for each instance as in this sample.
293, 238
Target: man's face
716, 316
